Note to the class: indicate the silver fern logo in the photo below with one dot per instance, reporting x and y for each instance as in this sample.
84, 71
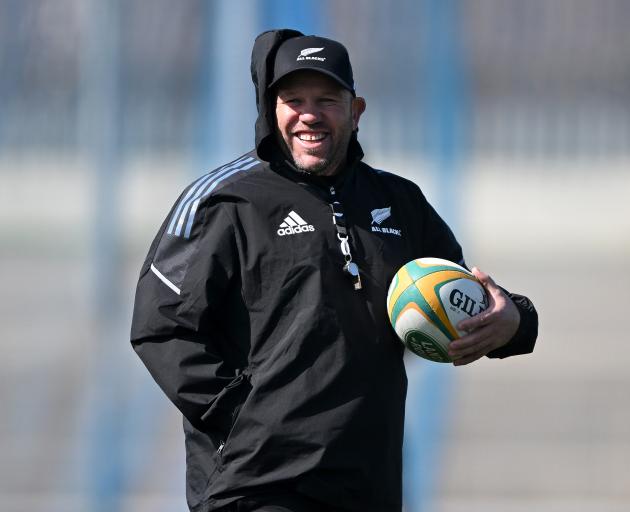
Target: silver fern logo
306, 53
378, 217
380, 214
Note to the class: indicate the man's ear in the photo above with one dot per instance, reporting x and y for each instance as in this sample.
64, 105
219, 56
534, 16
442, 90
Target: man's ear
358, 107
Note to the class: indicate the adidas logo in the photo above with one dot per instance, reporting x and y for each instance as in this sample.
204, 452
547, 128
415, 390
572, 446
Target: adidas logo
294, 224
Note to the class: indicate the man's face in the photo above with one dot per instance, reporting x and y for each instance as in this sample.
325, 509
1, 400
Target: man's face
315, 118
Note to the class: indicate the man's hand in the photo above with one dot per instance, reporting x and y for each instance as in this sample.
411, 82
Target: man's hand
488, 330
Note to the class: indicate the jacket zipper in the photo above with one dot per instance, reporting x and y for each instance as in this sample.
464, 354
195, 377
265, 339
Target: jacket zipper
241, 376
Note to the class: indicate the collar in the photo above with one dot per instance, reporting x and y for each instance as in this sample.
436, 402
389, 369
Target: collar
282, 165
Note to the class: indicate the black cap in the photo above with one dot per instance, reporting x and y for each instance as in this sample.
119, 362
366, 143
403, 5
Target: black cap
316, 54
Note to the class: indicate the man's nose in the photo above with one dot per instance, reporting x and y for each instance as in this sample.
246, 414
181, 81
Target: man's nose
310, 113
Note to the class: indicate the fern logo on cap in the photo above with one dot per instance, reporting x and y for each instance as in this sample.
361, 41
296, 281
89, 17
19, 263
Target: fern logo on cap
316, 54
307, 52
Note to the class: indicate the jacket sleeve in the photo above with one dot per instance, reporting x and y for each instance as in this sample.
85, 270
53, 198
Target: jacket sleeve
180, 303
440, 242
525, 338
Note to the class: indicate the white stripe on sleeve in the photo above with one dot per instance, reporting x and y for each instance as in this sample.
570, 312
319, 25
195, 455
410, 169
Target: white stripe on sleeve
165, 280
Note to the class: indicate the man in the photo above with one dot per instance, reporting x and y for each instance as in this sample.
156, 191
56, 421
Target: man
260, 309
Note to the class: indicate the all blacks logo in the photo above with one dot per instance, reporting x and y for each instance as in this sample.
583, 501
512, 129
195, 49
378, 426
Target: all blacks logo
459, 300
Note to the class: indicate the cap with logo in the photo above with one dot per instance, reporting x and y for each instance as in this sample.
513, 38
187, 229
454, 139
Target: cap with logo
316, 54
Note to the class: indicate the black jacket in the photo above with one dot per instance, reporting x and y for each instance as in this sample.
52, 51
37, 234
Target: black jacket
287, 377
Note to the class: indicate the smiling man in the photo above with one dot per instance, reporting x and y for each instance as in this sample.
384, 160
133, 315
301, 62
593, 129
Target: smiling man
316, 109
315, 119
260, 309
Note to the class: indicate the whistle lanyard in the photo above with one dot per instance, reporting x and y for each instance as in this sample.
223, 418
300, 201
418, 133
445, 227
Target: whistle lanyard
339, 220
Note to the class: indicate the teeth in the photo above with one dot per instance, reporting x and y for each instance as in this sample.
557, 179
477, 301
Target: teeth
311, 136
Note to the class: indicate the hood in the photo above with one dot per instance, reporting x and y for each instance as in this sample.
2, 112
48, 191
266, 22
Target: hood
263, 57
262, 65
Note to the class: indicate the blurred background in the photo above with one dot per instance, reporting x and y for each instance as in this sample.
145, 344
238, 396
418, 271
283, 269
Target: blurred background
514, 118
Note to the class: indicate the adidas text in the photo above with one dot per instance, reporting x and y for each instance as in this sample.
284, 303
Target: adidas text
294, 224
294, 230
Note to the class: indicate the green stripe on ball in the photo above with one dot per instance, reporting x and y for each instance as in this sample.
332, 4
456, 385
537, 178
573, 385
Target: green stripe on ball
412, 294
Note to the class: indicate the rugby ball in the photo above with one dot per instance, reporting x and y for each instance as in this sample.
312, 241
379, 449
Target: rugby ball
426, 299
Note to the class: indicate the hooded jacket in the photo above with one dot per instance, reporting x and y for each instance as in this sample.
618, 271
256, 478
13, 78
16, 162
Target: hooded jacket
287, 377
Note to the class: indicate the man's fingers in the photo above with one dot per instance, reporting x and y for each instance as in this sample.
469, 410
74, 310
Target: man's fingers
467, 360
487, 282
469, 353
479, 341
470, 340
487, 330
478, 351
475, 322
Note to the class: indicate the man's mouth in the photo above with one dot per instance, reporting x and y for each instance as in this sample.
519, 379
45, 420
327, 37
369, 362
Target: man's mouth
311, 136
